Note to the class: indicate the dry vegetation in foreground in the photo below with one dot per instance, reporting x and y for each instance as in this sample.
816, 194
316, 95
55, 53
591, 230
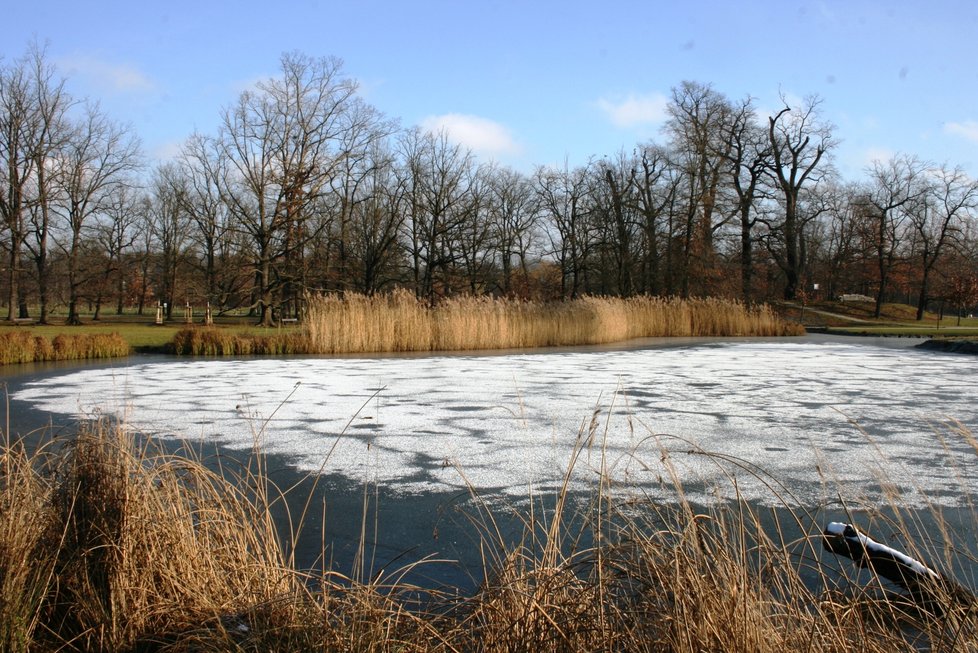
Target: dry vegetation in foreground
25, 347
107, 545
399, 322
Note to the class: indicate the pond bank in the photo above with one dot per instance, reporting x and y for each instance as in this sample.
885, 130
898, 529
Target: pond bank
951, 345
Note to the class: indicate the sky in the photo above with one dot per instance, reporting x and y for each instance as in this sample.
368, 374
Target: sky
530, 83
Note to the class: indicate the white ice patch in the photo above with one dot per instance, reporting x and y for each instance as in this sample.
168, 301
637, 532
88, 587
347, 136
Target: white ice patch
816, 417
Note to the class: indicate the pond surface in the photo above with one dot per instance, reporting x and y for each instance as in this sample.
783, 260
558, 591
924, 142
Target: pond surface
386, 450
812, 414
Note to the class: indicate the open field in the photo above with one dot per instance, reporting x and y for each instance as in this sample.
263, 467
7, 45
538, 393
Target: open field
112, 545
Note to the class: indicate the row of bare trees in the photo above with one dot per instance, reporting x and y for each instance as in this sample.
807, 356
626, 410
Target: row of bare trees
306, 187
64, 164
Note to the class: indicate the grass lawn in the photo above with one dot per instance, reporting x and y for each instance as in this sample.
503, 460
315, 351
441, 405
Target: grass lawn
856, 318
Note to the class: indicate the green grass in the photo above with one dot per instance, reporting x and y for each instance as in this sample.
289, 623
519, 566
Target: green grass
908, 330
856, 318
139, 336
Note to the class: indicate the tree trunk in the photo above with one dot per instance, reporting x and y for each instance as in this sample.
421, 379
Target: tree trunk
922, 299
12, 291
746, 257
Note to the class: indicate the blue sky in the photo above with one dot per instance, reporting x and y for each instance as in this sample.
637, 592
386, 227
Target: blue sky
530, 83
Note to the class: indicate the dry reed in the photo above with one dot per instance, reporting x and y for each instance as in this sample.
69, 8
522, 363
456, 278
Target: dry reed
23, 347
399, 322
110, 545
204, 341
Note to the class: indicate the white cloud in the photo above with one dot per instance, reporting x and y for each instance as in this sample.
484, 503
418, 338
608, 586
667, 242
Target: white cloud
636, 110
168, 151
873, 155
481, 135
967, 129
114, 77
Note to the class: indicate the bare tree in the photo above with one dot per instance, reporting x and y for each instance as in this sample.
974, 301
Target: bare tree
377, 221
938, 219
282, 145
475, 233
800, 141
615, 186
438, 173
655, 192
201, 168
168, 225
52, 104
895, 186
20, 128
844, 244
697, 125
146, 243
565, 208
97, 160
116, 232
366, 129
747, 152
513, 212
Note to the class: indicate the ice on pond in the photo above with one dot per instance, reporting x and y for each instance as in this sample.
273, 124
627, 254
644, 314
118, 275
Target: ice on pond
807, 414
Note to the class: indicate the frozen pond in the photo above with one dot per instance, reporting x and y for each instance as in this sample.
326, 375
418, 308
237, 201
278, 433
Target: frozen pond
811, 413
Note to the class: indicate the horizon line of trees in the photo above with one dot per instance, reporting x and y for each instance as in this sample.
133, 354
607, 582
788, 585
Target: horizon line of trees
305, 187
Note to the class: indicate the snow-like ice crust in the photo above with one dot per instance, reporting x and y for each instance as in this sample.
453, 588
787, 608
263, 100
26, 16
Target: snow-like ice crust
816, 418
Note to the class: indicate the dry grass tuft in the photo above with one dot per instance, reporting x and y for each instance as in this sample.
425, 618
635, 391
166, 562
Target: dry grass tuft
26, 563
148, 547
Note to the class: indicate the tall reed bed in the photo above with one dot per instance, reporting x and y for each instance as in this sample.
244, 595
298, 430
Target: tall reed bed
210, 341
399, 322
24, 347
108, 544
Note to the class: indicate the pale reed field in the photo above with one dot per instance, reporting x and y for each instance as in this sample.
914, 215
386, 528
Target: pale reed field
399, 322
109, 545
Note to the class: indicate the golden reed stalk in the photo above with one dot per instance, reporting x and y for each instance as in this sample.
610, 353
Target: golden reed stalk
400, 322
